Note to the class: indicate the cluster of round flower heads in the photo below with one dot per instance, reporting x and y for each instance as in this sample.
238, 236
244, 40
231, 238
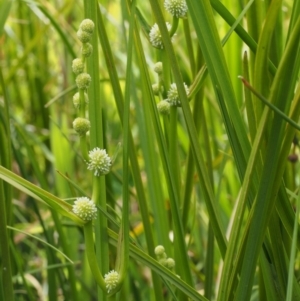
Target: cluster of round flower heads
82, 125
162, 258
85, 209
111, 280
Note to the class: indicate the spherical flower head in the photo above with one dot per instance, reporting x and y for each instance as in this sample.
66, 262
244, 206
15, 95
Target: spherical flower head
177, 8
85, 209
76, 99
159, 250
83, 36
81, 126
155, 36
77, 66
155, 89
99, 161
163, 107
173, 96
170, 263
111, 280
83, 81
158, 68
86, 49
87, 25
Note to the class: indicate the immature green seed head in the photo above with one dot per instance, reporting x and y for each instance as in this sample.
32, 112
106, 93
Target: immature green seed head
173, 96
87, 25
155, 36
99, 162
177, 8
163, 107
85, 209
155, 89
81, 126
86, 49
111, 280
159, 250
170, 263
83, 81
158, 67
84, 36
77, 66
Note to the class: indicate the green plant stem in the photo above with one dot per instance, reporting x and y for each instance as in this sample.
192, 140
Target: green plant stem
96, 140
174, 26
91, 256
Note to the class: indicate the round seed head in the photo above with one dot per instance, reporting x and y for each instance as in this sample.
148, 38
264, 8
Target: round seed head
159, 250
85, 209
81, 126
170, 263
87, 25
86, 49
163, 107
158, 67
84, 36
83, 81
77, 66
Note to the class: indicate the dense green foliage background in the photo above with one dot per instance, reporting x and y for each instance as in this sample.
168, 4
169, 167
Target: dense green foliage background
215, 181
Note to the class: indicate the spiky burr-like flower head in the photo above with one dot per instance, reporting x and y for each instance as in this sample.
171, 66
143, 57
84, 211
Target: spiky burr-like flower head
87, 25
83, 80
99, 161
111, 280
85, 209
173, 96
177, 8
155, 36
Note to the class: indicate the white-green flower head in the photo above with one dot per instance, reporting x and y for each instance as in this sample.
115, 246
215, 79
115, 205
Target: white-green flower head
158, 68
84, 36
173, 96
87, 25
86, 49
177, 8
77, 66
111, 280
159, 250
85, 209
76, 99
81, 126
155, 36
170, 263
83, 81
163, 107
99, 161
